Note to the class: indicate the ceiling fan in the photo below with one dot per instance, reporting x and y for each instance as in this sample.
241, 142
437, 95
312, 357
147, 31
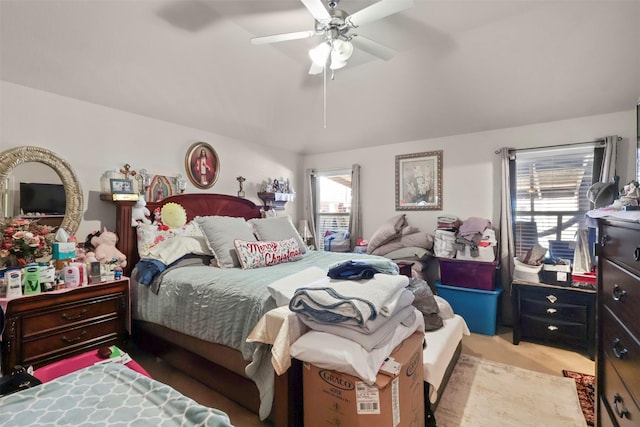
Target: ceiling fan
335, 26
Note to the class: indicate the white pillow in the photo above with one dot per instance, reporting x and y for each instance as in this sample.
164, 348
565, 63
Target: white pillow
173, 249
278, 228
220, 232
329, 351
446, 312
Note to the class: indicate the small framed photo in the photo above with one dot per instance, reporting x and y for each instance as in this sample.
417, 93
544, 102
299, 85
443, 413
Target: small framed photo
121, 186
419, 181
202, 165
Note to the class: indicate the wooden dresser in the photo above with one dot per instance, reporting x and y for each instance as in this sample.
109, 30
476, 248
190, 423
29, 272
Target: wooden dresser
44, 328
558, 315
618, 313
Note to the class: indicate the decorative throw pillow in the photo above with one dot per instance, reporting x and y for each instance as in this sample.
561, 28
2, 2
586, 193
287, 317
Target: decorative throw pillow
173, 215
150, 235
278, 228
220, 232
261, 253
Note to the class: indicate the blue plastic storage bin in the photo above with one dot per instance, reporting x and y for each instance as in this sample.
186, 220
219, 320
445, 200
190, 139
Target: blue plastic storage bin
479, 308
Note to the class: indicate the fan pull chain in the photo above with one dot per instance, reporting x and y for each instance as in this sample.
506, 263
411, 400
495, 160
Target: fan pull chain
324, 94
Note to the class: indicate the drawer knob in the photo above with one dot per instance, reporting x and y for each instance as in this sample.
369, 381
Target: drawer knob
72, 340
636, 253
552, 328
603, 240
552, 298
65, 316
618, 349
551, 310
624, 413
618, 293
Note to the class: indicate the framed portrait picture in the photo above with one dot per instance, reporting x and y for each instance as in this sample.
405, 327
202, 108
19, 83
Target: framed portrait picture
419, 181
121, 186
202, 165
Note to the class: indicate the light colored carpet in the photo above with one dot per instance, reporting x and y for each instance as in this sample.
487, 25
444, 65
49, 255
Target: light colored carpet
481, 393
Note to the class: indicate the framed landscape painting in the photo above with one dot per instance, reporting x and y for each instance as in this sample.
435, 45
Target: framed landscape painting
419, 181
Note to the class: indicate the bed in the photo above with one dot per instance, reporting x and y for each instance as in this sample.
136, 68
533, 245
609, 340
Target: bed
106, 394
217, 352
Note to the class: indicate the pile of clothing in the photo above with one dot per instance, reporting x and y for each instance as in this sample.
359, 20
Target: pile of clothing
366, 304
472, 239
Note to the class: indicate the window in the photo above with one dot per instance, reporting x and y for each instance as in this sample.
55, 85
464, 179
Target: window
549, 197
332, 202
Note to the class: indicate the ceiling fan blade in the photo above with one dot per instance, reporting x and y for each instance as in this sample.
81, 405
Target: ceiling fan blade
317, 9
373, 47
315, 68
283, 37
377, 11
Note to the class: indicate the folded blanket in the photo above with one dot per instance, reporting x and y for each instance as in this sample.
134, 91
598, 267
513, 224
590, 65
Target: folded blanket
343, 300
377, 339
420, 239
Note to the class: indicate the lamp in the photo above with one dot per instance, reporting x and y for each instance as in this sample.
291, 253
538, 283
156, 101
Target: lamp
338, 49
305, 232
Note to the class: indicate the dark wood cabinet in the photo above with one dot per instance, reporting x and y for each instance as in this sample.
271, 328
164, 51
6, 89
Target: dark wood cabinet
44, 328
557, 315
618, 355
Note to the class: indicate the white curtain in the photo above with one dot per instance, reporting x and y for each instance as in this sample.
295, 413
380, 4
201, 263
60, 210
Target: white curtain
608, 171
355, 218
507, 246
309, 195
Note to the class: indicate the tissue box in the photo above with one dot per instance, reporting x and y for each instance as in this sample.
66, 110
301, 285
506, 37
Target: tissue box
64, 250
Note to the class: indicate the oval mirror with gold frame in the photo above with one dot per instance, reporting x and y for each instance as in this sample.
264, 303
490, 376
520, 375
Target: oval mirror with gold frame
13, 157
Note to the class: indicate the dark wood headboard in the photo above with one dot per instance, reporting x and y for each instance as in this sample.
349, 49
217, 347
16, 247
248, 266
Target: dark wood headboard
195, 204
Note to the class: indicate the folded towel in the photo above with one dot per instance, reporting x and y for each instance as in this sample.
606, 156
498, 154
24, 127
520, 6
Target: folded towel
343, 300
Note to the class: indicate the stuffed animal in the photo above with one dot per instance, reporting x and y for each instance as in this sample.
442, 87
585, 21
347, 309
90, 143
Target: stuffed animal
105, 248
139, 212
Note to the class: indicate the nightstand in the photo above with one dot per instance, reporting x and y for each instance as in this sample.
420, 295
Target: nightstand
40, 329
557, 315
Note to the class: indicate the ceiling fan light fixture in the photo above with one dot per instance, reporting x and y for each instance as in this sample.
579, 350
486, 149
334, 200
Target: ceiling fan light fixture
343, 49
320, 54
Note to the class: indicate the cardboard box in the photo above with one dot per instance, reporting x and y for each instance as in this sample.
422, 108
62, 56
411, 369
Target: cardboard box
335, 399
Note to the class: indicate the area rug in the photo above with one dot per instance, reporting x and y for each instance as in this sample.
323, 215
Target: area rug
585, 384
481, 393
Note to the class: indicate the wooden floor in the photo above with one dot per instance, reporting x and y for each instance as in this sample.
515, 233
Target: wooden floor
498, 348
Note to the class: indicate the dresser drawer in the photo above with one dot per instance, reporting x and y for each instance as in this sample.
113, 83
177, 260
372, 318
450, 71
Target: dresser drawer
623, 351
107, 328
555, 295
569, 312
70, 314
620, 243
618, 399
556, 330
621, 292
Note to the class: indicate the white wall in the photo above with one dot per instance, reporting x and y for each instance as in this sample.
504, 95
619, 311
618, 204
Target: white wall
471, 168
93, 139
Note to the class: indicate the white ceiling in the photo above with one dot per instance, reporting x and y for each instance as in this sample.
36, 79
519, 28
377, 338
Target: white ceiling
462, 66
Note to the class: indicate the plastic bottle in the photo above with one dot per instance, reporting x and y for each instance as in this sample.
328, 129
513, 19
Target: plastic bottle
82, 271
13, 277
31, 279
71, 276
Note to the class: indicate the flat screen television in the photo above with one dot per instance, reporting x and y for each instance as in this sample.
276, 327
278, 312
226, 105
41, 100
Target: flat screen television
47, 199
